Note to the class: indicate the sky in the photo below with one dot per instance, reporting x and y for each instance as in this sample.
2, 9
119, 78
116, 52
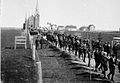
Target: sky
103, 14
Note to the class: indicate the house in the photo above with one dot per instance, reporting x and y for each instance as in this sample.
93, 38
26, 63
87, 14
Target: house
70, 28
91, 27
60, 28
87, 28
84, 28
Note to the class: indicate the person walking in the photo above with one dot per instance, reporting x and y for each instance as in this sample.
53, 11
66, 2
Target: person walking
115, 48
104, 65
119, 66
36, 43
76, 47
84, 50
111, 67
97, 58
41, 42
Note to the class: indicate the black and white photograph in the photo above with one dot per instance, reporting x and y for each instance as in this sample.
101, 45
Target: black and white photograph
60, 41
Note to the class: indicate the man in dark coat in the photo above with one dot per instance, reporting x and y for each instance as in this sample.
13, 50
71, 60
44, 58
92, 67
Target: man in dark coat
119, 66
111, 67
76, 46
104, 65
115, 48
41, 42
97, 57
80, 49
37, 43
84, 50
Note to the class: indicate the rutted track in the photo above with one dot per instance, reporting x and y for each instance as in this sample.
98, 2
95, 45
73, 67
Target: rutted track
56, 69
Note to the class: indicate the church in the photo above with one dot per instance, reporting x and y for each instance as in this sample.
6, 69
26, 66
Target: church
32, 22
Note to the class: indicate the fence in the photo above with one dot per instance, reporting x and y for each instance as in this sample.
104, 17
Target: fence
36, 57
20, 40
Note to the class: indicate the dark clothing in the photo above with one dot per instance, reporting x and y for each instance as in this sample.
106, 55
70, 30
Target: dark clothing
119, 67
84, 51
111, 62
76, 47
104, 62
105, 47
80, 50
108, 49
112, 68
97, 58
41, 42
37, 43
115, 50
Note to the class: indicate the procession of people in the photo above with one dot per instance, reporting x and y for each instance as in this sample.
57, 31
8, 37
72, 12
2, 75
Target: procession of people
104, 54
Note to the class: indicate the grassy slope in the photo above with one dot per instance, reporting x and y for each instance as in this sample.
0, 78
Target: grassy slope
8, 36
16, 64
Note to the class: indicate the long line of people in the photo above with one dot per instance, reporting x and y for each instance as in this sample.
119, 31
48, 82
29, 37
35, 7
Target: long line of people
104, 54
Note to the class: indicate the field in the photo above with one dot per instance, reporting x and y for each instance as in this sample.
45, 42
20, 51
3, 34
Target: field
7, 37
17, 65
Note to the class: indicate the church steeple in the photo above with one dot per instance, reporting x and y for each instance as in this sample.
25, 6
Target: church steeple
36, 16
36, 10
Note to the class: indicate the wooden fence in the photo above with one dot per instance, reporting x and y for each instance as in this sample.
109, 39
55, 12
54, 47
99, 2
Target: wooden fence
36, 57
20, 40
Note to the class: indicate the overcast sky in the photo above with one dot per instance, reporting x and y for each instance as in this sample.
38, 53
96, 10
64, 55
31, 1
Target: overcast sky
104, 14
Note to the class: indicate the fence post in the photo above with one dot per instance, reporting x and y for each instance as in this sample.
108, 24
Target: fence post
38, 64
31, 39
39, 72
33, 49
20, 40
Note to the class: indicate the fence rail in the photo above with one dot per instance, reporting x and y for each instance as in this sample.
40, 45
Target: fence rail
21, 40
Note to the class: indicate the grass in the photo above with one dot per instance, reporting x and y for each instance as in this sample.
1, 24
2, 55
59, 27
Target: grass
17, 65
8, 37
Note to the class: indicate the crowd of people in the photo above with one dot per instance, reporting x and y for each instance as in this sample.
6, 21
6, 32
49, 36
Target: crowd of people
104, 54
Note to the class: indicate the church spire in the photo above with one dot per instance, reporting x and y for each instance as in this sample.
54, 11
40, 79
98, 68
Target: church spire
36, 10
36, 16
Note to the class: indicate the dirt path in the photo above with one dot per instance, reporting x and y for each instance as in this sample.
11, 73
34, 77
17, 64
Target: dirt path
55, 69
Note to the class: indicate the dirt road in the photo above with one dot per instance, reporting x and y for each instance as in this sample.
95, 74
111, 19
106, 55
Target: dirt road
56, 69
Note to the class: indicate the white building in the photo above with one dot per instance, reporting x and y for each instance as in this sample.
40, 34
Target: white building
87, 28
60, 28
70, 28
91, 27
83, 28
